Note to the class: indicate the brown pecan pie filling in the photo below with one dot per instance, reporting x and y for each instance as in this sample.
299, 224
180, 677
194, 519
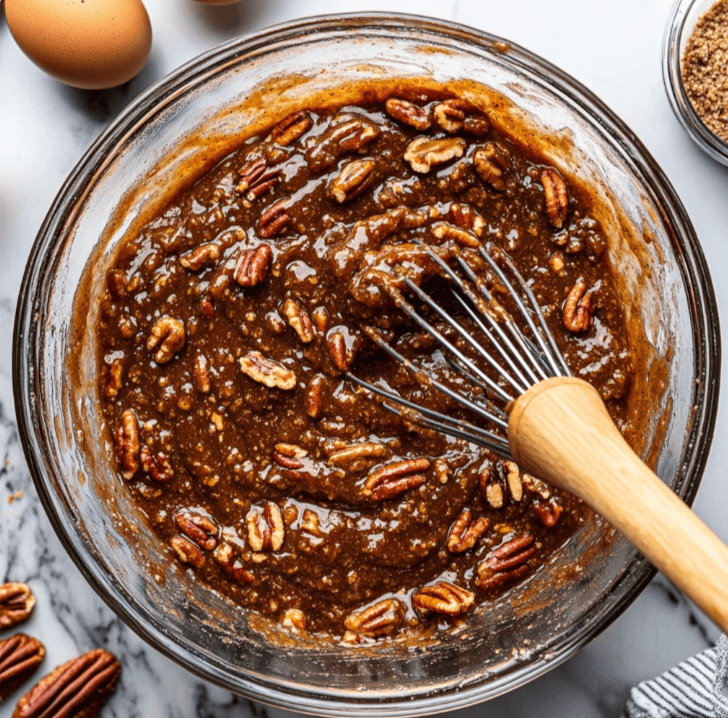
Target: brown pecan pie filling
228, 324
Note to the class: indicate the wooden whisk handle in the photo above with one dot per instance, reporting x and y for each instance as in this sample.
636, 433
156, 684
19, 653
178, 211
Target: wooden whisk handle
559, 430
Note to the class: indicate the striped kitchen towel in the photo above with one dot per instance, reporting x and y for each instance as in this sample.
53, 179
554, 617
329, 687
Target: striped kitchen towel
696, 688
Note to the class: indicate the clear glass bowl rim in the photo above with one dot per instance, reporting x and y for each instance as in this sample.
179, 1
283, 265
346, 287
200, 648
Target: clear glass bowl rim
672, 79
25, 362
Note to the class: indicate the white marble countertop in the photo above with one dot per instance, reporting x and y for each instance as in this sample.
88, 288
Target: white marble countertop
614, 49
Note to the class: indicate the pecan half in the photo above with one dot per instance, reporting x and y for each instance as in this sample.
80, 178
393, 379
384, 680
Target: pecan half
201, 529
577, 311
273, 220
253, 266
507, 563
232, 565
465, 532
557, 199
547, 511
16, 603
500, 483
424, 153
300, 321
351, 181
349, 135
263, 185
76, 689
381, 619
169, 335
445, 598
20, 656
265, 529
127, 444
267, 372
187, 552
450, 114
288, 455
156, 465
408, 113
290, 128
396, 478
197, 258
314, 396
490, 162
250, 174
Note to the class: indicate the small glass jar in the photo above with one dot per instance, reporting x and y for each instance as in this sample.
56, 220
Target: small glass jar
684, 16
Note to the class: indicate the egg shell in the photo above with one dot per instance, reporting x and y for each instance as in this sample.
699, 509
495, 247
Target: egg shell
91, 44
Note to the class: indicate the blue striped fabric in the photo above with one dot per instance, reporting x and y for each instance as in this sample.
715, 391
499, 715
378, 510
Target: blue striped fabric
696, 688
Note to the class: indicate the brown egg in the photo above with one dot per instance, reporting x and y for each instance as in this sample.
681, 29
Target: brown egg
92, 44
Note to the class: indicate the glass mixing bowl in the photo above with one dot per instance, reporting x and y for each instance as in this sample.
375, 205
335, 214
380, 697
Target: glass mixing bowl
185, 123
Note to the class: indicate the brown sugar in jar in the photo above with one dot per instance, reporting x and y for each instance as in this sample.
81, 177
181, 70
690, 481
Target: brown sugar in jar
704, 69
228, 325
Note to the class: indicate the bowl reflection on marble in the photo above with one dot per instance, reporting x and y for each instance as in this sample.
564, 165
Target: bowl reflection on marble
188, 121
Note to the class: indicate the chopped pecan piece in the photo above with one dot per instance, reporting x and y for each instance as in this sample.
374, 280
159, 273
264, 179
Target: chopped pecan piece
273, 219
465, 532
349, 135
232, 566
557, 262
113, 382
352, 180
200, 256
446, 231
355, 452
127, 444
290, 128
423, 153
507, 563
490, 163
157, 466
253, 266
341, 350
169, 335
300, 321
477, 125
408, 113
445, 598
207, 308
557, 199
577, 311
266, 371
288, 455
187, 552
202, 374
201, 529
265, 529
393, 479
16, 603
547, 511
381, 619
294, 618
20, 656
314, 396
76, 689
